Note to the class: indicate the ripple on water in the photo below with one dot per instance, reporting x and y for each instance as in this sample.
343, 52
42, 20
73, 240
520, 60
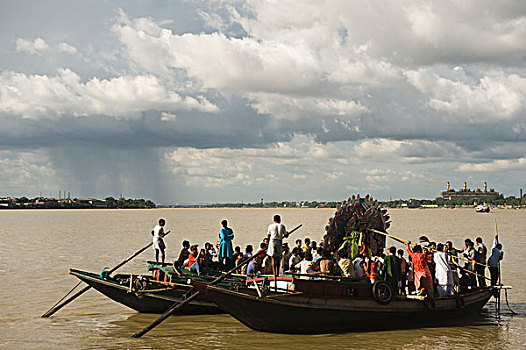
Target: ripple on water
36, 273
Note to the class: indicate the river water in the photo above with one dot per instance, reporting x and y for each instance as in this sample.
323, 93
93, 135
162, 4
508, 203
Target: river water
38, 246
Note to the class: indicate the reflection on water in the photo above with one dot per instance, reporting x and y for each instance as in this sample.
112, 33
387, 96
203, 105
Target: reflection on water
37, 248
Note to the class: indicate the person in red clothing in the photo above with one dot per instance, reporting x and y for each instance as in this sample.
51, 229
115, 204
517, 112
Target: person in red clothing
372, 268
193, 260
423, 278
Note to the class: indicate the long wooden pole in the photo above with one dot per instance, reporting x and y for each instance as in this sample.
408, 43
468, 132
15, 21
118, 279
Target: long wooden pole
179, 305
56, 307
499, 281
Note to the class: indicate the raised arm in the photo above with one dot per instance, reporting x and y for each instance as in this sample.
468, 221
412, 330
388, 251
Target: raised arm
495, 240
409, 251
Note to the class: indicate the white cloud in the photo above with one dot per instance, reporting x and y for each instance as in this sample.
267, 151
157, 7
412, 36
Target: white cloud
65, 47
39, 46
308, 162
36, 47
497, 94
495, 165
32, 96
289, 107
168, 116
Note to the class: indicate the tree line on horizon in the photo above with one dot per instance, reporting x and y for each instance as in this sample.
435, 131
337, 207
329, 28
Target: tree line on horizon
75, 203
410, 203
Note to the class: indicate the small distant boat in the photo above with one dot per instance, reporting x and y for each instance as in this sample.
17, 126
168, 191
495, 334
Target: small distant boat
325, 306
156, 293
482, 208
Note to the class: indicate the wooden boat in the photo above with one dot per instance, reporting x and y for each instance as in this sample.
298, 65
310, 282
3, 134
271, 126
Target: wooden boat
325, 306
482, 208
156, 293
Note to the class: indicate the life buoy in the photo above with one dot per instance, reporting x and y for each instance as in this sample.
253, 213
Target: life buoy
382, 292
429, 303
459, 300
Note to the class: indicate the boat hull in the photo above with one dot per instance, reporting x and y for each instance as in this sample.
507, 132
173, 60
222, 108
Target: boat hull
154, 303
300, 314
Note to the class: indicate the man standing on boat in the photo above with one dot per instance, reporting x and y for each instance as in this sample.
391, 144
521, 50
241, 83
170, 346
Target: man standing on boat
494, 260
480, 260
158, 242
275, 234
226, 251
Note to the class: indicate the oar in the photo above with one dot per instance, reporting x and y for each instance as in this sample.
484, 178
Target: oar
177, 306
292, 231
59, 305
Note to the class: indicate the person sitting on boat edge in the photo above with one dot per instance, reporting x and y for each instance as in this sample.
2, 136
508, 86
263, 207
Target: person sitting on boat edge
306, 246
158, 242
359, 266
496, 256
314, 251
325, 264
202, 261
298, 245
423, 281
305, 266
237, 251
275, 234
193, 260
248, 251
373, 267
226, 252
266, 265
238, 260
294, 259
183, 255
211, 256
253, 267
285, 257
392, 269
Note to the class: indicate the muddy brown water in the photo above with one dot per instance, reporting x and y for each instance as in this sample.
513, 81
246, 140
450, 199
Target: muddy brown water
38, 246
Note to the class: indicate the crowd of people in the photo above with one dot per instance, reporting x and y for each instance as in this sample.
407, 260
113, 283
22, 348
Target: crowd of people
429, 268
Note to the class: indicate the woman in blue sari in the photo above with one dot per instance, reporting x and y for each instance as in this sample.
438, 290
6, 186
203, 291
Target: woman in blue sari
226, 252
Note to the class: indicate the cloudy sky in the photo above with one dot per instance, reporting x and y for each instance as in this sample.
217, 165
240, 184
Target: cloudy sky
216, 101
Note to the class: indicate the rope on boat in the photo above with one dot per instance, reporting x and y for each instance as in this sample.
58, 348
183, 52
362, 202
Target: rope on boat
152, 290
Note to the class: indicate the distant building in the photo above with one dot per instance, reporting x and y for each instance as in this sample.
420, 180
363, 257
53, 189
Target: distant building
96, 203
467, 193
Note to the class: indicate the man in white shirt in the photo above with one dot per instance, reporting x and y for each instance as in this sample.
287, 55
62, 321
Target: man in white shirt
158, 242
275, 234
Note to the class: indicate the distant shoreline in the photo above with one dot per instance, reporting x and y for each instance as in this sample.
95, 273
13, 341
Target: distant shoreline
253, 208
